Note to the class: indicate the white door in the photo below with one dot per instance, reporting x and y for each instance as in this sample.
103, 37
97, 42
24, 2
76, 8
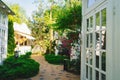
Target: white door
95, 41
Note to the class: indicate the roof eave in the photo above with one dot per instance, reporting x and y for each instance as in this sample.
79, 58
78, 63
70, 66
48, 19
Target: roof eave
5, 8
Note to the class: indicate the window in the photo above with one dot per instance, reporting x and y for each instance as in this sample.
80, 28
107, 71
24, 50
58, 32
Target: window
2, 50
3, 34
4, 19
26, 43
90, 24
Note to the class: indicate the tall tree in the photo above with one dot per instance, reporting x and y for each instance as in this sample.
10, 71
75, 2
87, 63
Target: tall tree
11, 40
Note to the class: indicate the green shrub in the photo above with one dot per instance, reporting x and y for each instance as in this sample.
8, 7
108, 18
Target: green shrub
27, 55
18, 68
51, 58
73, 66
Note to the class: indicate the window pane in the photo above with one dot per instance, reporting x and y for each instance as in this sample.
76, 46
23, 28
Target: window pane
2, 50
87, 56
97, 44
103, 61
91, 40
86, 71
103, 18
3, 33
90, 73
97, 21
91, 22
97, 75
87, 24
103, 41
87, 42
97, 58
103, 77
91, 57
4, 19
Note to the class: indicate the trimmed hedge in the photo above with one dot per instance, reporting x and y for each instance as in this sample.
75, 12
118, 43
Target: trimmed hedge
51, 58
22, 67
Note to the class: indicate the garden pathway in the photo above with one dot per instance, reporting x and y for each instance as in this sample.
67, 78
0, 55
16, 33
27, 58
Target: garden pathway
51, 72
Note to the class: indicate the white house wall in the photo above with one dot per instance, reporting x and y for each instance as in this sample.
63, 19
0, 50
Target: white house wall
3, 38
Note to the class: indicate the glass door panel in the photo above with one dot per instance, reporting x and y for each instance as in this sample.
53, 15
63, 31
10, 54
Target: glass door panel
87, 71
87, 41
103, 77
87, 24
97, 40
91, 40
97, 21
97, 75
103, 61
103, 40
103, 14
97, 57
90, 73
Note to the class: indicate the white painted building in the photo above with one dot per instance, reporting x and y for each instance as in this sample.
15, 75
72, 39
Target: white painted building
23, 38
100, 54
4, 12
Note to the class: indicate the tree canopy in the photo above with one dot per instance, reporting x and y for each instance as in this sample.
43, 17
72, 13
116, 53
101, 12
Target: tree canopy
20, 14
63, 18
69, 18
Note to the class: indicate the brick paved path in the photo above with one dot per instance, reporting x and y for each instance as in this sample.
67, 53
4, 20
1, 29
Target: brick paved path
52, 72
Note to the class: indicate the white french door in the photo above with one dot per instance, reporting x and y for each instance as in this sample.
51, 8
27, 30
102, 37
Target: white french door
95, 44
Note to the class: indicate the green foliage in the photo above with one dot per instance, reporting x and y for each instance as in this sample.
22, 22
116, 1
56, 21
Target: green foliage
74, 36
14, 68
69, 19
72, 66
60, 18
51, 58
75, 66
20, 15
27, 55
11, 40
